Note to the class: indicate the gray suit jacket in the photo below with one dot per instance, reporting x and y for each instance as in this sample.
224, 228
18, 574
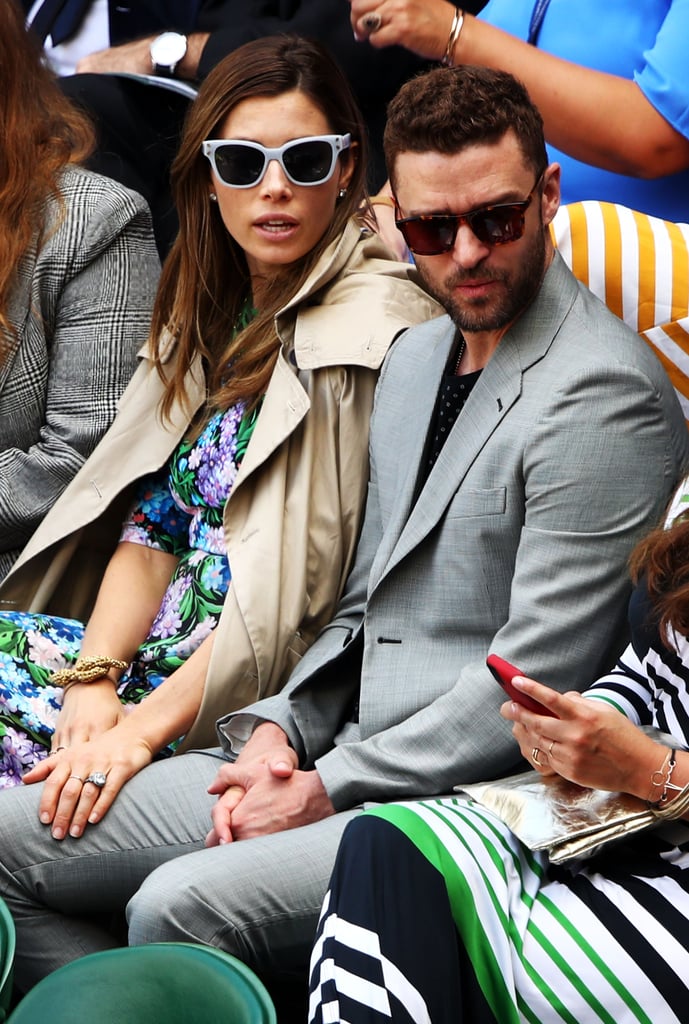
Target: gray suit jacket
565, 453
80, 310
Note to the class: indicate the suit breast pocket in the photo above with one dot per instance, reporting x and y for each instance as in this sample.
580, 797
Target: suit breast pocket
473, 501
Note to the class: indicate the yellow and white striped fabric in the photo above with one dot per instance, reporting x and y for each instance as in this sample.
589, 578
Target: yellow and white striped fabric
639, 266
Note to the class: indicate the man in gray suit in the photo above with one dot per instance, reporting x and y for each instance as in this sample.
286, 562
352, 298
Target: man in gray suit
519, 447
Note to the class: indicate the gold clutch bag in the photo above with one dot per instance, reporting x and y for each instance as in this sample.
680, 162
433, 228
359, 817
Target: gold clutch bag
567, 820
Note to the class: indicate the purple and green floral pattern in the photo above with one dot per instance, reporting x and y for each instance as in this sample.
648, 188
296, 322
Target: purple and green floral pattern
178, 510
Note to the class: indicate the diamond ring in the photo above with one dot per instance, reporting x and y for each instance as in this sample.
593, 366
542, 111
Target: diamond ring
97, 778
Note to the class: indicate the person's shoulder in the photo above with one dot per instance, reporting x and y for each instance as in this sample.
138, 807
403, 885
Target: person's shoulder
356, 301
93, 189
601, 334
371, 270
92, 212
420, 344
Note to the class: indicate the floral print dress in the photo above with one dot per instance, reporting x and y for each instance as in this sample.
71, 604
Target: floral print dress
178, 510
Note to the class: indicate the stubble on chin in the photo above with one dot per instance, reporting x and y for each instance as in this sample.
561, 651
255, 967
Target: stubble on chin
491, 313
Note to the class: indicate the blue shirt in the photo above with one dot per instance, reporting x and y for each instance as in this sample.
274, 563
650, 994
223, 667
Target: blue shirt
641, 39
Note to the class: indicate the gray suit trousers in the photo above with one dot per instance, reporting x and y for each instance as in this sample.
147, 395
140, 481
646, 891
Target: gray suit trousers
259, 899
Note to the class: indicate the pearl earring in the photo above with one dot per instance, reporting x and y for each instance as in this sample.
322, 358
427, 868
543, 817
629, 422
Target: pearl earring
341, 194
213, 197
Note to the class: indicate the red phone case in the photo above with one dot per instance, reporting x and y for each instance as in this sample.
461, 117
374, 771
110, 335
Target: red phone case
504, 673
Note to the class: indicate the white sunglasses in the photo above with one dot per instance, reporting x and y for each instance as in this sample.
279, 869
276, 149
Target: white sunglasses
308, 161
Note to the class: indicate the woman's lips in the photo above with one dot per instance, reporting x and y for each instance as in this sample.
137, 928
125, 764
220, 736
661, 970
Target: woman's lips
276, 227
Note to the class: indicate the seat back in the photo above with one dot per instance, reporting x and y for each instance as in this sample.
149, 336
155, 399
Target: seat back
175, 983
7, 946
639, 266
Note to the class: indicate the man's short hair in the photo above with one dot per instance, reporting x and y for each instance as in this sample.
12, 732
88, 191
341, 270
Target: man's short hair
446, 109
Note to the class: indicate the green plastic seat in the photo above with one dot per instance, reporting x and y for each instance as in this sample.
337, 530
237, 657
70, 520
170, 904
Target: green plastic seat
171, 982
7, 945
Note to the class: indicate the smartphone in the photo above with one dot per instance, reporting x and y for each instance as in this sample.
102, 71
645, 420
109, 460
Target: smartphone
505, 673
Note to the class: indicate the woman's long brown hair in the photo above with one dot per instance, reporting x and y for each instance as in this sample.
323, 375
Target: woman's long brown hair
662, 558
205, 281
41, 133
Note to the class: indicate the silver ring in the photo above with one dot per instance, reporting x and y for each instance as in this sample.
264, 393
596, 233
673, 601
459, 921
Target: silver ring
97, 778
372, 22
534, 756
78, 778
550, 748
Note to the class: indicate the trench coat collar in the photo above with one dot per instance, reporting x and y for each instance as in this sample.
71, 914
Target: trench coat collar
369, 304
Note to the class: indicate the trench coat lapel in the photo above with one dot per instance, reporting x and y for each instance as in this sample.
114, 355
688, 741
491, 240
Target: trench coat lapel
284, 407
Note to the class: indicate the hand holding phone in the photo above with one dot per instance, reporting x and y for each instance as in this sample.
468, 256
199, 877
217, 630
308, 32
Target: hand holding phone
505, 673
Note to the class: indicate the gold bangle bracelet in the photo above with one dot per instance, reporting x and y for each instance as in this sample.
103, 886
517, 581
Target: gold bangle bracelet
675, 808
382, 200
85, 670
457, 23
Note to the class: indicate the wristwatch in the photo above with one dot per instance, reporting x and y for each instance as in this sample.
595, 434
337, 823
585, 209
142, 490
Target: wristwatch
167, 50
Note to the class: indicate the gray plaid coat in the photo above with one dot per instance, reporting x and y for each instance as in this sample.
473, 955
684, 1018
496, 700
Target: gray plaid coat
80, 311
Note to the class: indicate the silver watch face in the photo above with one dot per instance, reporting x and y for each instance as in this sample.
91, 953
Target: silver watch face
168, 49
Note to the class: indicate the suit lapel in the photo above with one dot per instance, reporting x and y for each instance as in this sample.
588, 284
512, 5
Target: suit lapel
495, 393
410, 443
491, 399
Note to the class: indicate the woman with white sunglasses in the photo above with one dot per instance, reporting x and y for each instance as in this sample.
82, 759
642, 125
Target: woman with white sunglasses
238, 460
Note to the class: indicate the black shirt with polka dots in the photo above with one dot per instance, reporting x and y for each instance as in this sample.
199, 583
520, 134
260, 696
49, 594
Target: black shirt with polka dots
452, 395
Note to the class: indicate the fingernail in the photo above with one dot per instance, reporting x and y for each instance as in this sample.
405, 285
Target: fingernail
45, 818
58, 833
75, 831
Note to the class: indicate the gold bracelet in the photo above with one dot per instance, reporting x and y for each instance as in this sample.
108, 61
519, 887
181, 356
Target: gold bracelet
455, 31
382, 200
85, 670
676, 808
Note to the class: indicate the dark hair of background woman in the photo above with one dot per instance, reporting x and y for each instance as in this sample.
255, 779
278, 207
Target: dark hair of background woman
663, 559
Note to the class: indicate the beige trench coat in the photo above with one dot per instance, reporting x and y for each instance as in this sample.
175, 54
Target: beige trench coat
292, 520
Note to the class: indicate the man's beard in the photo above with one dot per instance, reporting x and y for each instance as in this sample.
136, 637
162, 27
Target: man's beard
494, 312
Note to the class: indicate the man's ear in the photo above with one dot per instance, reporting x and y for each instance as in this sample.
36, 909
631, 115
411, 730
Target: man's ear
550, 197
